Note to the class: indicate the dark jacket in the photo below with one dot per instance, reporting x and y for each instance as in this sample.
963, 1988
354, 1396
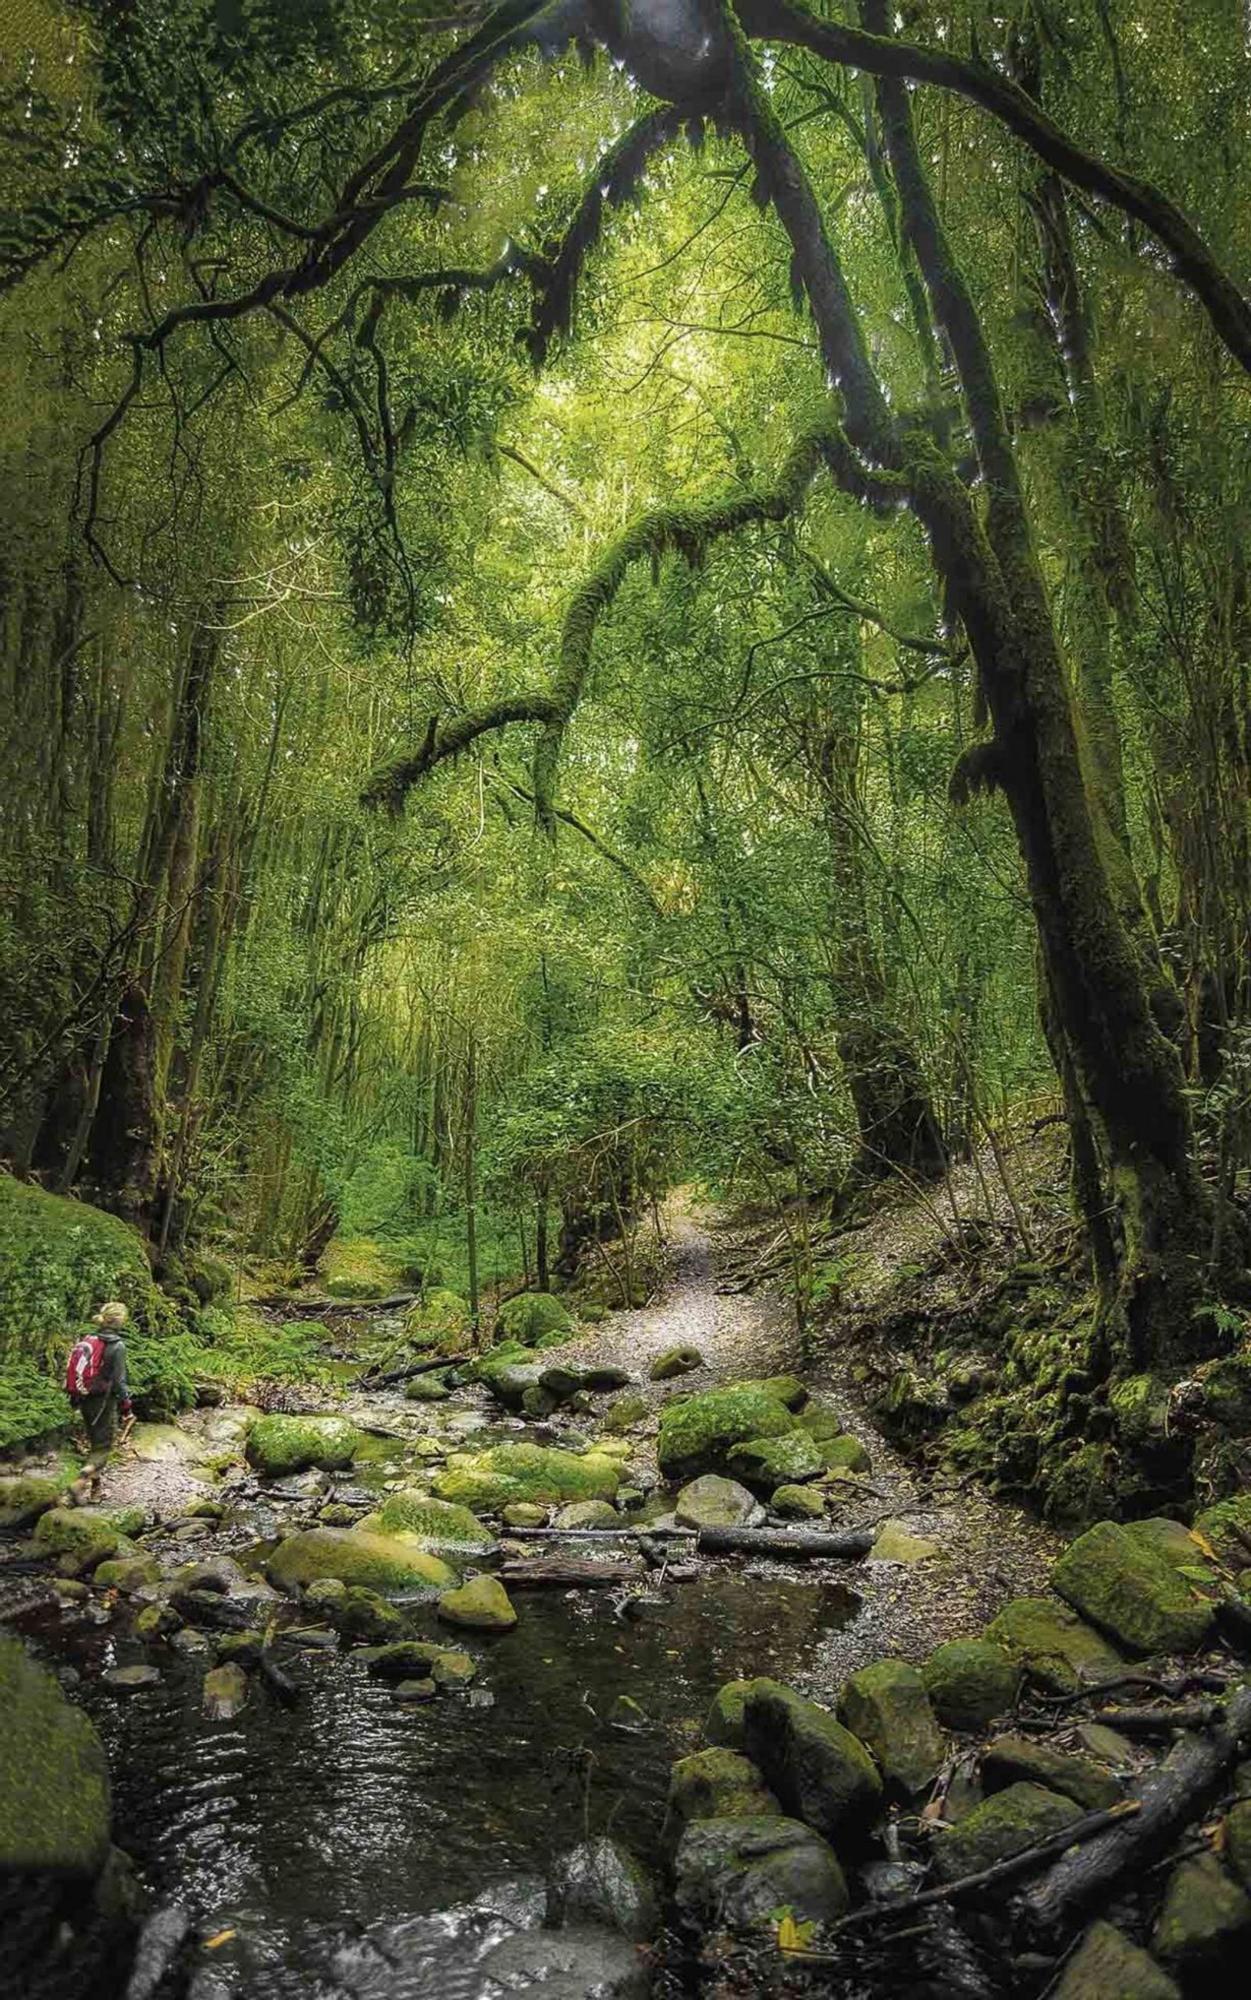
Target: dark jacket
113, 1373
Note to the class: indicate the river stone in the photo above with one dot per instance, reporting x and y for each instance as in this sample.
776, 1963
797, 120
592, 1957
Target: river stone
563, 1379
1205, 1920
714, 1784
587, 1514
599, 1882
1000, 1827
766, 1463
1131, 1593
338, 1515
574, 1964
524, 1514
675, 1361
532, 1317
397, 1565
244, 1649
535, 1472
482, 1605
414, 1691
225, 1691
624, 1413
131, 1680
1176, 1546
724, 1724
220, 1573
970, 1682
1058, 1650
798, 1503
697, 1433
24, 1499
738, 1872
887, 1707
439, 1525
85, 1534
189, 1643
897, 1544
819, 1419
1106, 1966
401, 1659
280, 1445
453, 1670
1012, 1759
1227, 1528
156, 1621
54, 1778
714, 1502
819, 1770
844, 1454
164, 1444
426, 1389
602, 1376
367, 1618
129, 1574
324, 1593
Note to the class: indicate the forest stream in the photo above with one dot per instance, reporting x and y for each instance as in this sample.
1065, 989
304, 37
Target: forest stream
351, 1844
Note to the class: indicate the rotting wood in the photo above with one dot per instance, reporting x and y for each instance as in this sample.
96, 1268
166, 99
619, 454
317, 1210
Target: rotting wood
1159, 1721
297, 1308
723, 1541
413, 1368
1176, 1793
541, 1572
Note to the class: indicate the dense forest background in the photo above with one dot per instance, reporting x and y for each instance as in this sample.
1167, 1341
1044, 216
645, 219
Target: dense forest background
594, 596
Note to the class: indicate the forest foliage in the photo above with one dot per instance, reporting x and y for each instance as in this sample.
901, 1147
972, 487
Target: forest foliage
591, 595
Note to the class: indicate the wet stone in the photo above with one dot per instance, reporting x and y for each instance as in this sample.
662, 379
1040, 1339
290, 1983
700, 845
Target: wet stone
1107, 1966
131, 1680
1002, 1826
1010, 1759
413, 1692
714, 1502
740, 1872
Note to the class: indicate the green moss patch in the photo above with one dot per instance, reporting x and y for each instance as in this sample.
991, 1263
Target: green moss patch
393, 1565
509, 1472
697, 1433
280, 1445
54, 1780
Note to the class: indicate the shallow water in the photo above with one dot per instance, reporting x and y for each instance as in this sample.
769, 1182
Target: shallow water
297, 1828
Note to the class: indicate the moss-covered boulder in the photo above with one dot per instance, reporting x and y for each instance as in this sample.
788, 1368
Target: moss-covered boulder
1204, 1923
821, 1772
587, 1514
798, 1503
509, 1371
697, 1434
1140, 1405
23, 1500
1012, 1760
844, 1454
970, 1682
739, 1872
1226, 1528
509, 1472
1057, 1649
524, 1514
1000, 1827
54, 1779
788, 1389
398, 1565
365, 1618
724, 1723
886, 1706
225, 1691
400, 1659
1108, 1966
714, 1784
623, 1413
439, 1319
1182, 1551
83, 1534
820, 1420
481, 1605
427, 1389
278, 1445
165, 1444
128, 1574
439, 1525
714, 1502
675, 1361
535, 1319
764, 1464
1129, 1590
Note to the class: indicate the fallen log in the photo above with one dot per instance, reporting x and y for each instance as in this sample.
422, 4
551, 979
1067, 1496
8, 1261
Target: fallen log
297, 1308
1160, 1721
288, 1691
1087, 1828
405, 1374
568, 1572
804, 1542
1177, 1792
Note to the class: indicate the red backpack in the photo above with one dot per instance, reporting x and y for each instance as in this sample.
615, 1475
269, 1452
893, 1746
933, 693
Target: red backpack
85, 1367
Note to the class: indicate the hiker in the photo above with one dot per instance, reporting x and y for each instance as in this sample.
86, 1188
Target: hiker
95, 1380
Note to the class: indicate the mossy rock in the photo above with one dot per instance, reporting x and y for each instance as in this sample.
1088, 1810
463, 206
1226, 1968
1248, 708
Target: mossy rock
481, 1605
714, 1502
714, 1784
844, 1454
738, 1873
127, 1573
165, 1444
439, 1525
400, 1659
365, 1617
508, 1472
788, 1389
524, 1514
1227, 1392
819, 1419
83, 1533
1140, 1406
767, 1463
157, 1621
225, 1691
697, 1434
1205, 1921
1000, 1827
427, 1389
440, 1319
970, 1682
1176, 1546
724, 1724
1131, 1592
23, 1500
587, 1514
1107, 1966
1012, 1760
397, 1565
1236, 1841
623, 1413
1057, 1649
54, 1778
673, 1362
534, 1318
1226, 1527
279, 1445
887, 1707
820, 1771
798, 1503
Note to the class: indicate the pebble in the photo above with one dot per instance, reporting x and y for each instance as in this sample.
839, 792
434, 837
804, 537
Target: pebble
131, 1680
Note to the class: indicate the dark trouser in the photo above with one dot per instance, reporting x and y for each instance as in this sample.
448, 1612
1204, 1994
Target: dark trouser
99, 1414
